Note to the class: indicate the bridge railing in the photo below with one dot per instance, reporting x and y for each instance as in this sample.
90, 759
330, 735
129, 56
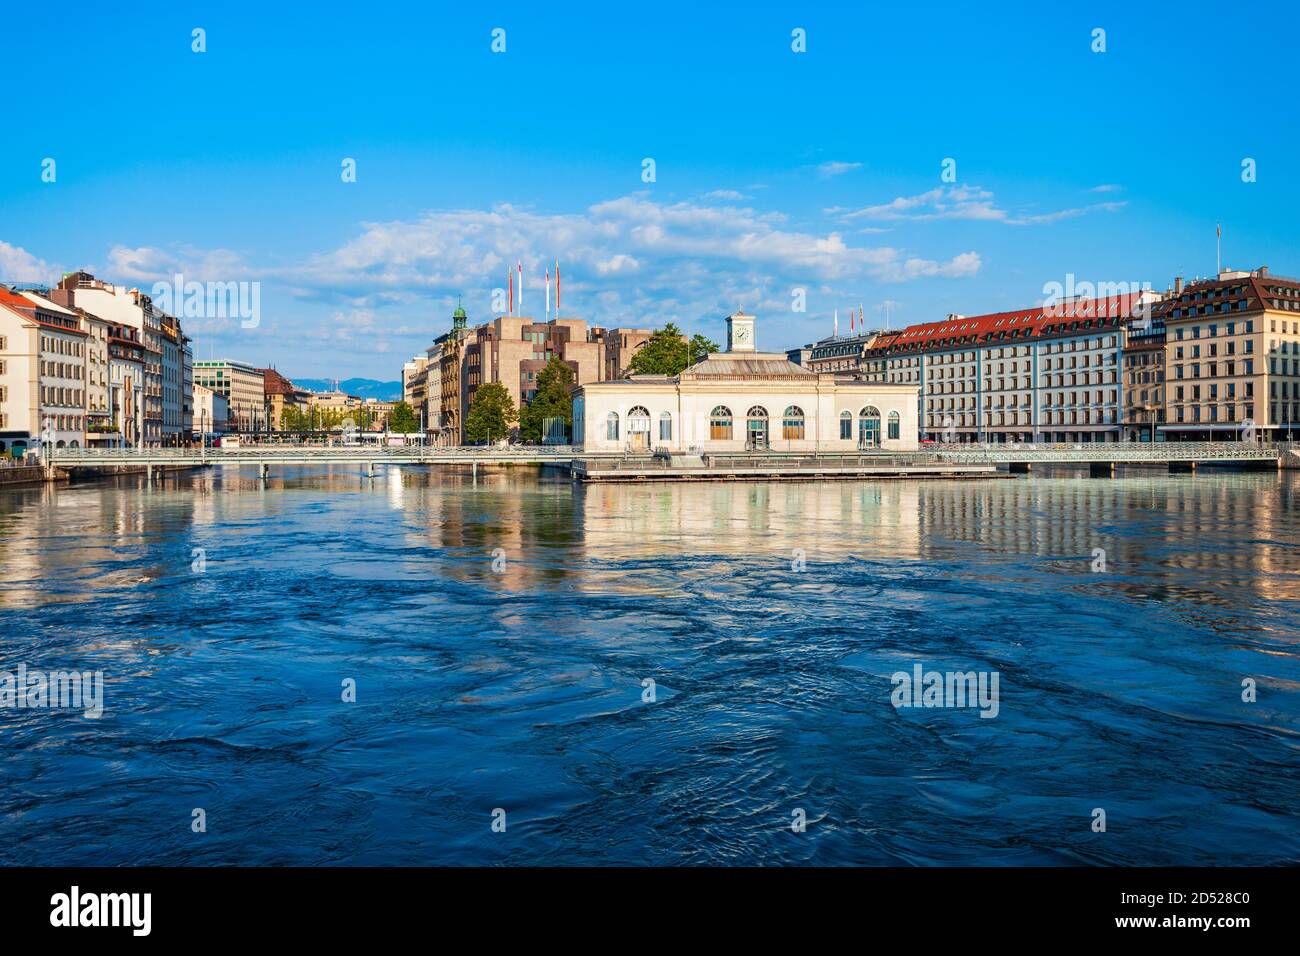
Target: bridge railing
1108, 451
335, 452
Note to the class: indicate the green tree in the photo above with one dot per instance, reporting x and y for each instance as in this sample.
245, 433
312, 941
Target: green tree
701, 347
490, 414
552, 400
664, 353
403, 419
667, 352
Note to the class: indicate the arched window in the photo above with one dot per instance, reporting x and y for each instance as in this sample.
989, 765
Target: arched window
846, 426
720, 424
869, 427
756, 431
893, 426
611, 426
665, 426
792, 424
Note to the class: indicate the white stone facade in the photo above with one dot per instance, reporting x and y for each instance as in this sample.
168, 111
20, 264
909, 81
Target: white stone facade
738, 401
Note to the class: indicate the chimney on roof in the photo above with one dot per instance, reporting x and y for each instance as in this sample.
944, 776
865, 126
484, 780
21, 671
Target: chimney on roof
955, 317
1178, 284
1263, 270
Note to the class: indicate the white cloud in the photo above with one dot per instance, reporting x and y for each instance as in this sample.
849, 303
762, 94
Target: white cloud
726, 195
629, 260
963, 202
19, 265
1106, 188
836, 168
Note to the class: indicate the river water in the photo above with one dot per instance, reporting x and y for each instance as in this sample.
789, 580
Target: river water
661, 674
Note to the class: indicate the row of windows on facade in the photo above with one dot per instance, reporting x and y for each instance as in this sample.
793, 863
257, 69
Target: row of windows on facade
61, 396
50, 343
721, 423
965, 420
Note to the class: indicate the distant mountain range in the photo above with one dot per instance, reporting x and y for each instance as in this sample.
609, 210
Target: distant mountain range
360, 387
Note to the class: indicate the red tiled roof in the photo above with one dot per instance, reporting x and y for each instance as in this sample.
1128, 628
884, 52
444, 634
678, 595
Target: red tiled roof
1023, 324
31, 311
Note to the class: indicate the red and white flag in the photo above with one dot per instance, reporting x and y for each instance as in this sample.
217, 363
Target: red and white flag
510, 281
548, 292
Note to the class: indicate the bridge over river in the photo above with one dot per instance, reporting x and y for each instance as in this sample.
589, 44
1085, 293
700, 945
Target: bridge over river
1101, 458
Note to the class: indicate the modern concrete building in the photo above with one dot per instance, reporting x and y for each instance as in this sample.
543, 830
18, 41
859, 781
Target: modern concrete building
242, 386
619, 347
1232, 355
743, 399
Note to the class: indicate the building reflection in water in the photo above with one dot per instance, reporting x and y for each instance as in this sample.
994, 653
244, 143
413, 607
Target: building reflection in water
1213, 539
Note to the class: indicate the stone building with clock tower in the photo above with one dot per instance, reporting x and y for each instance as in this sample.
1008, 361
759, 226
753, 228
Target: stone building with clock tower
744, 400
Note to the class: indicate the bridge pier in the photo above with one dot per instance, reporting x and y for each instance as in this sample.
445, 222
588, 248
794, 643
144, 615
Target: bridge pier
1182, 467
148, 474
1101, 469
264, 471
370, 469
475, 467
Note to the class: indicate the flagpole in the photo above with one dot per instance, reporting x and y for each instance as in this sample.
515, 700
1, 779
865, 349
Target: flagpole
1218, 257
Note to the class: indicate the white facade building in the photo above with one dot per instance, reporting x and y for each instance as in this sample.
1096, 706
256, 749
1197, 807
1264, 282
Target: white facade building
43, 377
745, 400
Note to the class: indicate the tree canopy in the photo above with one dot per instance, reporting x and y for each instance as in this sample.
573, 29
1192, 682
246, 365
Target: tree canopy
667, 352
490, 414
403, 419
551, 401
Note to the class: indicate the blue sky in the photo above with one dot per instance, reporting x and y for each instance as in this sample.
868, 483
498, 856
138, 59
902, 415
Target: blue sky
775, 170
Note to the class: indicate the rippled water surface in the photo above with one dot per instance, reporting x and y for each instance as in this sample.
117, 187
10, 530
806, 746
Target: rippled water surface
515, 678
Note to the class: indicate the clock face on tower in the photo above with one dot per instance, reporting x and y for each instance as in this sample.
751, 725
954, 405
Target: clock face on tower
742, 334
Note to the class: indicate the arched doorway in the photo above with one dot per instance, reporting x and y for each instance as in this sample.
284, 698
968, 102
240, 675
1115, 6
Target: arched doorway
869, 427
638, 427
756, 430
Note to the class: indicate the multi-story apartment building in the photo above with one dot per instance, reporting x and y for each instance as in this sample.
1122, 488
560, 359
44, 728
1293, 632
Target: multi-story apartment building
172, 380
42, 374
512, 349
619, 347
836, 353
415, 384
430, 411
1050, 373
280, 395
451, 358
160, 337
242, 386
1232, 355
211, 413
187, 387
1143, 372
126, 368
100, 430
